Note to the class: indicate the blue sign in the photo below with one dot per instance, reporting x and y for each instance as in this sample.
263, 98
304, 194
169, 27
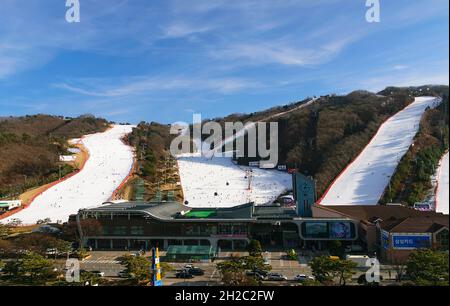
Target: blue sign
385, 239
405, 241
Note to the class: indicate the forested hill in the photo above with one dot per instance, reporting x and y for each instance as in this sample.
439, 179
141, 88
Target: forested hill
320, 139
30, 147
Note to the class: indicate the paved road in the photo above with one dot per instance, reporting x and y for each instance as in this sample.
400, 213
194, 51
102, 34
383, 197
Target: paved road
107, 262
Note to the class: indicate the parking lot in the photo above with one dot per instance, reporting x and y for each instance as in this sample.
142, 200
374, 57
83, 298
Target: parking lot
108, 263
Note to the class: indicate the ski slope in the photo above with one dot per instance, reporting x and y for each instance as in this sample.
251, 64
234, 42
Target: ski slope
218, 182
442, 187
109, 163
211, 179
365, 179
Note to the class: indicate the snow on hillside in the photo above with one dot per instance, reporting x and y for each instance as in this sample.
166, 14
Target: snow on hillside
442, 200
109, 163
364, 180
211, 179
218, 182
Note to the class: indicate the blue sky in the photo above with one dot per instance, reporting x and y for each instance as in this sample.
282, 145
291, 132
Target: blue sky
163, 60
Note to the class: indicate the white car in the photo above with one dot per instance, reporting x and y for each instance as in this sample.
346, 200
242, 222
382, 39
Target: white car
303, 277
51, 252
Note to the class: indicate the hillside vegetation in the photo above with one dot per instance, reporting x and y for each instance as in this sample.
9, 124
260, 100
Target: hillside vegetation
156, 168
30, 147
322, 138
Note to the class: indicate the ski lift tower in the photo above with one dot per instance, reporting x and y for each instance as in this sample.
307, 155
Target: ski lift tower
249, 175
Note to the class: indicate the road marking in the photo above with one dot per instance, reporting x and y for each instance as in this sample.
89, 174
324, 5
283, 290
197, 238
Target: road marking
212, 275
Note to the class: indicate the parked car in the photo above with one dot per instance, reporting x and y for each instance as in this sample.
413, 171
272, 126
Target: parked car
183, 274
261, 272
196, 271
276, 277
99, 273
51, 252
303, 277
256, 275
122, 274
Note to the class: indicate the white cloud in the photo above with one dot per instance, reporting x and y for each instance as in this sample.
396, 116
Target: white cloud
178, 30
146, 85
399, 67
280, 52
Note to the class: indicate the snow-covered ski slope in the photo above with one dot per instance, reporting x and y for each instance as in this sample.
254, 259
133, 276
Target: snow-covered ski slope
109, 163
218, 182
442, 187
211, 179
365, 179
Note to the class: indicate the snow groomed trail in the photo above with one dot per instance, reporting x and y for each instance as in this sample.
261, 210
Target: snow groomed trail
365, 179
109, 163
218, 182
443, 186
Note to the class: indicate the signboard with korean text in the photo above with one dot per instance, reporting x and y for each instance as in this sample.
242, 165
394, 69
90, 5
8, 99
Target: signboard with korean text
410, 241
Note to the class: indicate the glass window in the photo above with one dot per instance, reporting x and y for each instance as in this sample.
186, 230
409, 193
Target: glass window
442, 239
120, 230
137, 230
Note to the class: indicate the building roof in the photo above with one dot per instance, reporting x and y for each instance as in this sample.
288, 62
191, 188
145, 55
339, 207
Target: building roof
274, 212
394, 218
175, 211
420, 224
371, 213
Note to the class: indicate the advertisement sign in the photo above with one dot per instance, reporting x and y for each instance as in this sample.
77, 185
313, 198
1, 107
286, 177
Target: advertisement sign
411, 241
316, 229
340, 230
328, 230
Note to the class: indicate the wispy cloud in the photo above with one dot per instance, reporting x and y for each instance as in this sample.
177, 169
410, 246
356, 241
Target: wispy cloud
283, 53
145, 85
400, 67
178, 30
